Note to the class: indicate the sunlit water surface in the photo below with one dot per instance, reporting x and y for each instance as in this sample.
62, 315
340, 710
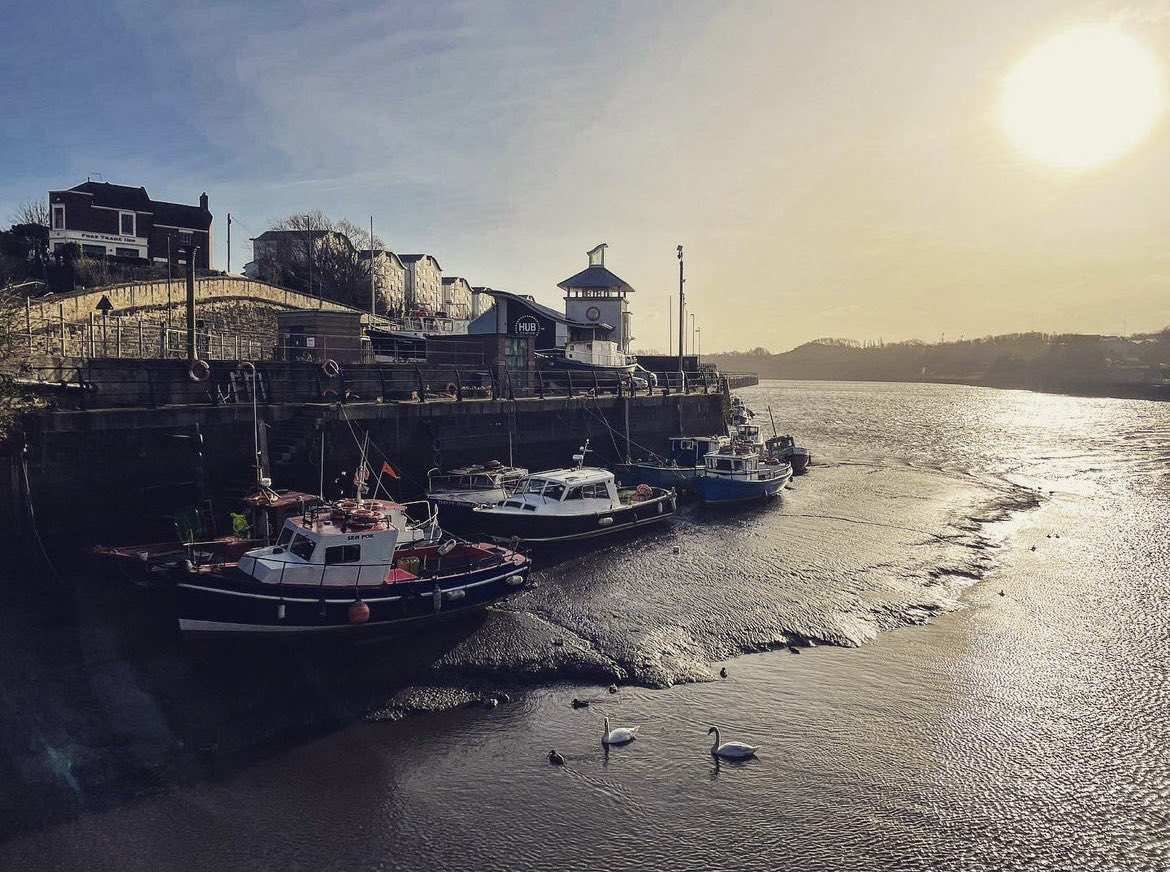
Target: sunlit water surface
970, 701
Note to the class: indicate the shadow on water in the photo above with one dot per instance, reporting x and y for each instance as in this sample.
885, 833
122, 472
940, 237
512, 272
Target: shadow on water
106, 702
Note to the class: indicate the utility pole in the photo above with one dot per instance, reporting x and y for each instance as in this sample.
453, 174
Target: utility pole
170, 305
682, 310
192, 351
229, 264
669, 325
371, 271
692, 332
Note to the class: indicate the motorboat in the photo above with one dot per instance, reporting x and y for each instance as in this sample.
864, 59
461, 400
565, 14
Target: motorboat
737, 474
784, 447
573, 503
680, 468
347, 574
456, 492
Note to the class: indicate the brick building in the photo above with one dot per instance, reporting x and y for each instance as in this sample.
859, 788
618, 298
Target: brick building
119, 221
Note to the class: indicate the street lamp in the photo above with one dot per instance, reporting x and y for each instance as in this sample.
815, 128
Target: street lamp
692, 331
699, 343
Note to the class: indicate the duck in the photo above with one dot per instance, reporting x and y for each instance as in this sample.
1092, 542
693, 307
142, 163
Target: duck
732, 749
613, 689
554, 758
618, 736
579, 704
722, 672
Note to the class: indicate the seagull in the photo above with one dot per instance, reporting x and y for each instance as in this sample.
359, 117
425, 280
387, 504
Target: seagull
554, 758
723, 673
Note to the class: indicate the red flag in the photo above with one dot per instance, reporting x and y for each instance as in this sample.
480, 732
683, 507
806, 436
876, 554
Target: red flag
388, 470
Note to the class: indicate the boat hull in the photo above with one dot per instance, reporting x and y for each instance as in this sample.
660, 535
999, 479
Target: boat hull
724, 490
538, 528
224, 600
681, 479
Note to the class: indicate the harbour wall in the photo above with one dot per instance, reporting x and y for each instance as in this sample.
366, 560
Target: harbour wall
120, 475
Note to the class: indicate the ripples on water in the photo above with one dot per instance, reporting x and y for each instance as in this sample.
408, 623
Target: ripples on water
1028, 730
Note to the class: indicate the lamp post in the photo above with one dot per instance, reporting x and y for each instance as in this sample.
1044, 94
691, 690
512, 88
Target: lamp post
190, 250
682, 310
692, 332
698, 344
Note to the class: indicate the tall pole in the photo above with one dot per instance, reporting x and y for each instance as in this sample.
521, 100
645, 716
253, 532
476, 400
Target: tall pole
371, 271
170, 236
192, 352
669, 325
692, 332
229, 264
682, 309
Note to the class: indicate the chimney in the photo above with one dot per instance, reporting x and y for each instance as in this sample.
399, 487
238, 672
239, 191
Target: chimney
203, 200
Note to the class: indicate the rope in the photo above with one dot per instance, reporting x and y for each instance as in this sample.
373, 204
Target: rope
33, 517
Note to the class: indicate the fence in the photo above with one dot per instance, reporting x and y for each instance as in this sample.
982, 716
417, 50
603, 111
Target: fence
121, 383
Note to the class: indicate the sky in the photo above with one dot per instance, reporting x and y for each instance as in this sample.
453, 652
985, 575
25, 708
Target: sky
832, 169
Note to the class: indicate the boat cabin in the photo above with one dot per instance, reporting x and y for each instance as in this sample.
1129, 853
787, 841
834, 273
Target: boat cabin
318, 550
484, 477
575, 490
732, 463
690, 451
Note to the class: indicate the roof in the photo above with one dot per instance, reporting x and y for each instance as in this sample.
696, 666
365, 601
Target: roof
410, 259
364, 255
132, 199
451, 280
178, 215
574, 475
280, 234
595, 277
539, 308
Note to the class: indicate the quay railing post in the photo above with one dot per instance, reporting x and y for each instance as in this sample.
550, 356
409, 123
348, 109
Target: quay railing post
596, 386
458, 385
61, 324
569, 377
422, 394
540, 384
92, 339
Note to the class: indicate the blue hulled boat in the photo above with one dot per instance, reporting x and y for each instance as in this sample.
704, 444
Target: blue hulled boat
738, 475
678, 470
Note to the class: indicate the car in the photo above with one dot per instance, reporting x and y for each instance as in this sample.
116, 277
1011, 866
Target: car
643, 379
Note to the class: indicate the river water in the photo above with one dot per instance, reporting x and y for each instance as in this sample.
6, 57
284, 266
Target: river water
974, 581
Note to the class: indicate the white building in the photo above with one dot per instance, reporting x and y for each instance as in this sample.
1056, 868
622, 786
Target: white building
597, 297
389, 281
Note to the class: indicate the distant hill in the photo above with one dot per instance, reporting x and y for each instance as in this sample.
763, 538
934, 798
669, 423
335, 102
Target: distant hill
1137, 366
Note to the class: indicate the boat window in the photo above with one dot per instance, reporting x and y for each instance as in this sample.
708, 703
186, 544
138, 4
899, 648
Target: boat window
514, 504
302, 547
723, 464
343, 554
530, 507
285, 537
554, 491
574, 494
534, 486
596, 490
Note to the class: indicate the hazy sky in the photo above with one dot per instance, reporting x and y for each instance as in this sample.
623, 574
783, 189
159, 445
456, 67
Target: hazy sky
832, 168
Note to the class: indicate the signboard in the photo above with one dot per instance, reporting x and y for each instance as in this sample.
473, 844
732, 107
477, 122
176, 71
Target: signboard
526, 325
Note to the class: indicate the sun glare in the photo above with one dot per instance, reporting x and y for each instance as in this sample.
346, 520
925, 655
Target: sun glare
1082, 98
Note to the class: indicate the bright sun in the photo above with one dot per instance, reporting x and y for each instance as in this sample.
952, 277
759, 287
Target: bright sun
1082, 98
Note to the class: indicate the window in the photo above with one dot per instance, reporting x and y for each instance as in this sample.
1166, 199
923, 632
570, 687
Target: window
343, 554
554, 491
513, 504
94, 251
302, 547
184, 237
595, 491
58, 218
126, 223
574, 494
285, 537
126, 253
534, 486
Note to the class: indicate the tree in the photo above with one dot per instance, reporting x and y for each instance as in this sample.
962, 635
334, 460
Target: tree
31, 212
336, 269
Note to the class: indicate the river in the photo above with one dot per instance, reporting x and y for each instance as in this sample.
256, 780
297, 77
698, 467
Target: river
974, 584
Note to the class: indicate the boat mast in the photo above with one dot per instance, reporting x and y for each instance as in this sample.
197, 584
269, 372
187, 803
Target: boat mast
773, 420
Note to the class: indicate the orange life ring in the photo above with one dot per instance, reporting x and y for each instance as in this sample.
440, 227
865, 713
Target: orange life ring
198, 371
330, 368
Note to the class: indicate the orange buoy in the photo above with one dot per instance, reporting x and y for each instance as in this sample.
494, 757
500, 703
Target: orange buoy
359, 612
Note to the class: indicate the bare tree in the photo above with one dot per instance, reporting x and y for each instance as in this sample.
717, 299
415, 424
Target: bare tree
31, 212
336, 271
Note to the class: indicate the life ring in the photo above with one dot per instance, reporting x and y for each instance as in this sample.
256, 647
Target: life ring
331, 369
198, 371
437, 458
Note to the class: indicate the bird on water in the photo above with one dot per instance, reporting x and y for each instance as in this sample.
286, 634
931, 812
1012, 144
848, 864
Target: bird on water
618, 736
723, 673
730, 749
554, 758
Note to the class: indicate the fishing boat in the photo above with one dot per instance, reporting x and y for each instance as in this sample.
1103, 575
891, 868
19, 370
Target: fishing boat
574, 503
347, 573
784, 447
678, 470
456, 492
737, 474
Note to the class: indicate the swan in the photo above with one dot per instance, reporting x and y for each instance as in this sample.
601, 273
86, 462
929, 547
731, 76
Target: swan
618, 736
554, 758
731, 750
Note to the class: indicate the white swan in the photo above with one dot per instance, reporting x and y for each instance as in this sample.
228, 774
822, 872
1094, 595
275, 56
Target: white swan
618, 736
731, 750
